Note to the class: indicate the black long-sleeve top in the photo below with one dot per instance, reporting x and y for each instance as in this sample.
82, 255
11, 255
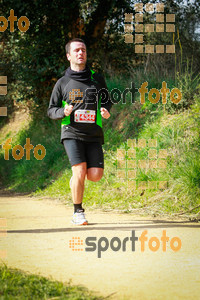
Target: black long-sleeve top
86, 91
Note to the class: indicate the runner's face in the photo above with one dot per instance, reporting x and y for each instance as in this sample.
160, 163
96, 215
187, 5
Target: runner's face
78, 54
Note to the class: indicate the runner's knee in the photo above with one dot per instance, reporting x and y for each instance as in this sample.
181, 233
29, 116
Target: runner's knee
94, 174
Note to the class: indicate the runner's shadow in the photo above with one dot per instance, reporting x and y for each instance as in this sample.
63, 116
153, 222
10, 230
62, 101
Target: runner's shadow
110, 228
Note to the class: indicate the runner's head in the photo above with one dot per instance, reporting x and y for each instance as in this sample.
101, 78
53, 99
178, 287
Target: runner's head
76, 54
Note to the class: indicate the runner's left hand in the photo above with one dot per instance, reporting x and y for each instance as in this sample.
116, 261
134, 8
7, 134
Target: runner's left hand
105, 113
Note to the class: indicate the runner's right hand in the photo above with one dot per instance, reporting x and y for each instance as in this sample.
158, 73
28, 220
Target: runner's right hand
68, 110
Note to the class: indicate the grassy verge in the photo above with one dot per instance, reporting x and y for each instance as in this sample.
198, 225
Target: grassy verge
16, 284
175, 128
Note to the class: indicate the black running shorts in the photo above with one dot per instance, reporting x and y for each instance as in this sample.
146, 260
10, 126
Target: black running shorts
80, 151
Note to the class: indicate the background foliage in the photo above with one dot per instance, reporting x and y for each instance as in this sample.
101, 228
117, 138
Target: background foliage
34, 60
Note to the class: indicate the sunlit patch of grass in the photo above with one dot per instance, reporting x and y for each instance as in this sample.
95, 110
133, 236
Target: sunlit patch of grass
16, 284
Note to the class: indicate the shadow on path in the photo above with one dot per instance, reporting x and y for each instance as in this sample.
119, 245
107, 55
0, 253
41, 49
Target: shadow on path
116, 228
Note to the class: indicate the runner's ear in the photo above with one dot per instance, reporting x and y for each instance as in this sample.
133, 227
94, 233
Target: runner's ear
68, 56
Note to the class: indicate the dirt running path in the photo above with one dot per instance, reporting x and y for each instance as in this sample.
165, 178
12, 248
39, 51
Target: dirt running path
38, 236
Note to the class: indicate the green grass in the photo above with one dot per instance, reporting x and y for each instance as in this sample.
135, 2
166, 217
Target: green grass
16, 284
27, 175
175, 129
180, 136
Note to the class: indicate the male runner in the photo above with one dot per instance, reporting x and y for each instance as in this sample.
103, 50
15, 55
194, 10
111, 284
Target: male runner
81, 99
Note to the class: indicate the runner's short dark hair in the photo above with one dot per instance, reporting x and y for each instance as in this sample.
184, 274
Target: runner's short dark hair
67, 46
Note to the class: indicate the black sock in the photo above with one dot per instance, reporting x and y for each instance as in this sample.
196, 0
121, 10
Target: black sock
78, 207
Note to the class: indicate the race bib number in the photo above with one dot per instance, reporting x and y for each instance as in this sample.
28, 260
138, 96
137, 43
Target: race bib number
85, 116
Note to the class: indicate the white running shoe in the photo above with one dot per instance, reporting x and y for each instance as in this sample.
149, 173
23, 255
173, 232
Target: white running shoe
79, 218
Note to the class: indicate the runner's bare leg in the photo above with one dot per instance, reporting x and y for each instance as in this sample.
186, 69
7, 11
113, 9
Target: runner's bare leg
79, 173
